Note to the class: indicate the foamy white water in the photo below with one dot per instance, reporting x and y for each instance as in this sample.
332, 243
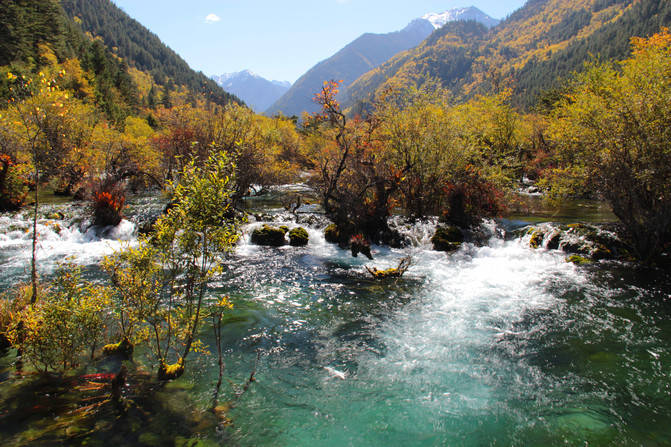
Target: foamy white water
59, 239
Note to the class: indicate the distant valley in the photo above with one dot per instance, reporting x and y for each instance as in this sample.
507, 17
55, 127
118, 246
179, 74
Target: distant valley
257, 92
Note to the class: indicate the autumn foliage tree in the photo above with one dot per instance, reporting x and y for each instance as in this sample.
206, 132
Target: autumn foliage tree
414, 153
266, 151
49, 123
612, 132
66, 326
161, 284
13, 184
355, 181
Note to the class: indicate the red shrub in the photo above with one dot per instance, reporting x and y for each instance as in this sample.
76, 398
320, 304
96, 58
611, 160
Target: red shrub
107, 205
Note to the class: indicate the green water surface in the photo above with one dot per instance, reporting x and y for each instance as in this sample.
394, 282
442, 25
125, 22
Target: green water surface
494, 345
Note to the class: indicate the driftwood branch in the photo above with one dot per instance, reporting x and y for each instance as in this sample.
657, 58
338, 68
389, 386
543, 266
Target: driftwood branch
392, 272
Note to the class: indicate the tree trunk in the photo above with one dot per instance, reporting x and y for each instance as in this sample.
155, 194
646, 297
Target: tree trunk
217, 335
33, 271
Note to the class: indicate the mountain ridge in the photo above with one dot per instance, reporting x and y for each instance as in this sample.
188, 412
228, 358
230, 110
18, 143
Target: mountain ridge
530, 52
140, 48
256, 91
358, 57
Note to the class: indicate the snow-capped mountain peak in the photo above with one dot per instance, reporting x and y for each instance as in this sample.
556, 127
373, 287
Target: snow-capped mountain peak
227, 78
453, 15
236, 75
257, 92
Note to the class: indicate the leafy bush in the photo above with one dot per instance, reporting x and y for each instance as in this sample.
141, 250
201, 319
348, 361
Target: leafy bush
11, 305
13, 184
69, 321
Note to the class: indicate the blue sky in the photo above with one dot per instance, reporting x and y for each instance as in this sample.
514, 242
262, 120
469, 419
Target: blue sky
280, 39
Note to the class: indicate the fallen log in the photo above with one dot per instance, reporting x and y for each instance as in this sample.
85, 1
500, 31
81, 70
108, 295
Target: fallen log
391, 272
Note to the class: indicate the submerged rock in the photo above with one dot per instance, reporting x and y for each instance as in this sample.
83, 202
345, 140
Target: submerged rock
311, 220
298, 237
554, 240
601, 252
447, 238
55, 216
269, 236
592, 242
56, 227
150, 439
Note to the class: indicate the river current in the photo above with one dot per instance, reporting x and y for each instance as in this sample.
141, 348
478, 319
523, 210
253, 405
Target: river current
496, 344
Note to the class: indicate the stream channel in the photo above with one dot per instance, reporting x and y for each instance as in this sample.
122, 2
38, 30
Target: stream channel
496, 344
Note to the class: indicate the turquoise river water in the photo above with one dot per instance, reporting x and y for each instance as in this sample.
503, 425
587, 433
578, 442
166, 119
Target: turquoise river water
494, 345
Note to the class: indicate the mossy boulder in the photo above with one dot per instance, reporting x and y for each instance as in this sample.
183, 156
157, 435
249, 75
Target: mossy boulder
447, 238
579, 247
593, 242
332, 234
269, 236
298, 237
171, 372
122, 349
536, 240
578, 260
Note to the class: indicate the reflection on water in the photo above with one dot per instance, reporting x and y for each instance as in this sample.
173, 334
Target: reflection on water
493, 345
534, 209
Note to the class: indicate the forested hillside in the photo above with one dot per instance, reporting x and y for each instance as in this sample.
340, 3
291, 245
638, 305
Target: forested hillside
141, 48
610, 42
531, 52
25, 25
35, 34
363, 54
80, 118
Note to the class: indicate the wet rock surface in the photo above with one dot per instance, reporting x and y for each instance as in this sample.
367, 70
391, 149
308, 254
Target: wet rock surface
269, 236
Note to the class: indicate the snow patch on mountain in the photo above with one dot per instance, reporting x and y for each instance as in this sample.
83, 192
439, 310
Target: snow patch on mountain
438, 20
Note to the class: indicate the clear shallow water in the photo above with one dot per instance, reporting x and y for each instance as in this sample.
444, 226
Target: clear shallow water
494, 345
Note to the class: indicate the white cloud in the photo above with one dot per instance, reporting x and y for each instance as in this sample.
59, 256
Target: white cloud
212, 18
